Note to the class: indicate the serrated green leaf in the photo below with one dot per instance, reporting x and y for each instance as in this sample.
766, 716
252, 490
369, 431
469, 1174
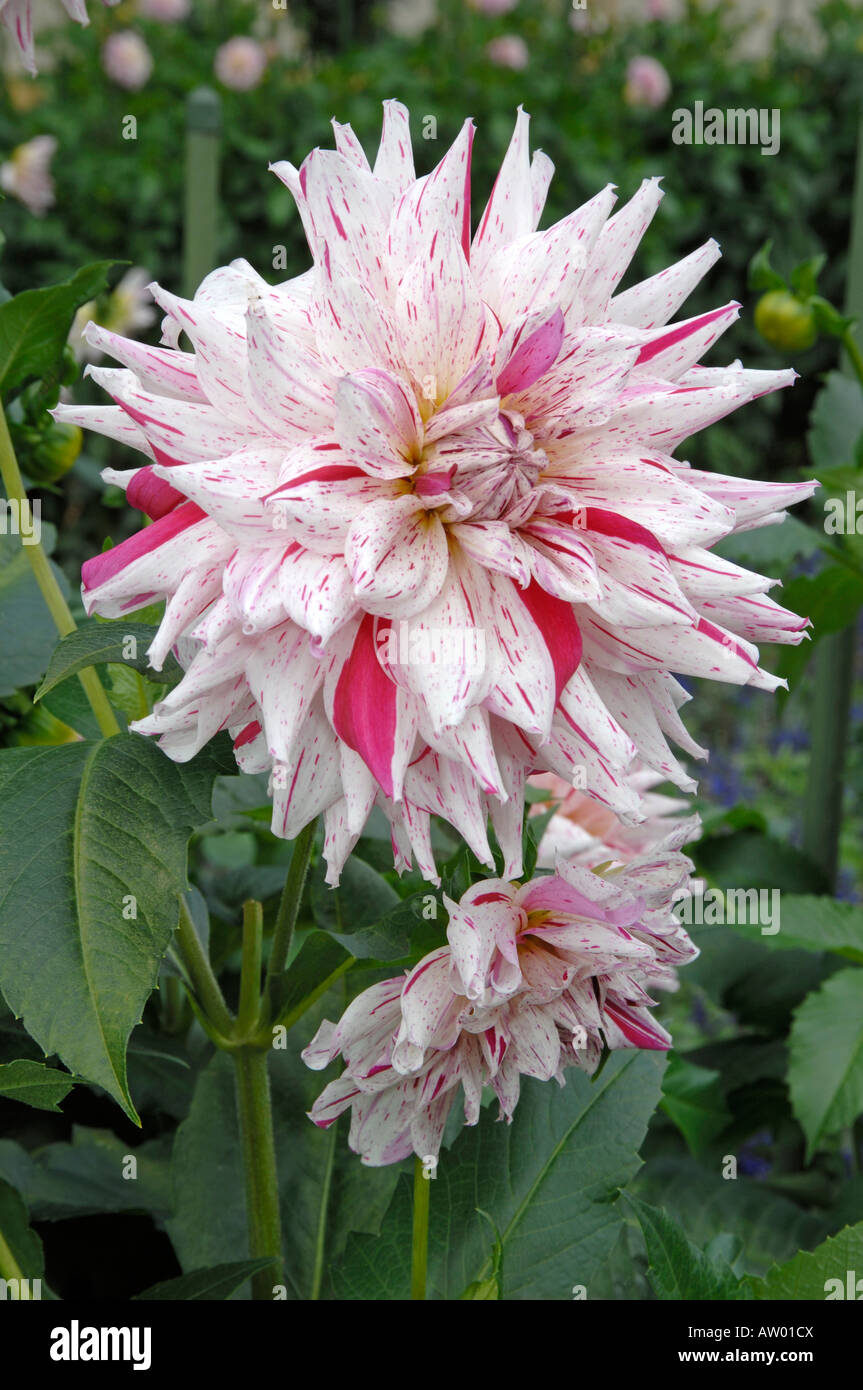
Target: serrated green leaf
706, 1204
34, 325
825, 1070
818, 1274
549, 1182
88, 831
216, 1283
35, 1084
677, 1268
836, 421
94, 643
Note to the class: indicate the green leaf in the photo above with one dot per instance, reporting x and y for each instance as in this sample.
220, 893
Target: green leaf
35, 1084
319, 958
216, 1283
692, 1098
825, 1071
836, 422
95, 642
815, 924
364, 914
762, 276
804, 277
27, 631
34, 325
809, 1274
747, 859
90, 1175
768, 1227
88, 832
677, 1268
549, 1182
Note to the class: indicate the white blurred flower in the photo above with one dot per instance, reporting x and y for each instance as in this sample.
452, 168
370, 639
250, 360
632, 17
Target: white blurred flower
409, 18
26, 175
127, 60
240, 63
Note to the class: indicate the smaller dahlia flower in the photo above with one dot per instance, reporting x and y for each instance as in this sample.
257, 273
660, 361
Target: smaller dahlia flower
535, 978
240, 64
584, 830
647, 83
127, 60
509, 51
27, 174
17, 16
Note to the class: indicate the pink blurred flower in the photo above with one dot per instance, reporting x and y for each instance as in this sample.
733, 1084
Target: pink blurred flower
658, 9
17, 17
168, 11
534, 979
647, 83
127, 60
240, 63
509, 51
27, 174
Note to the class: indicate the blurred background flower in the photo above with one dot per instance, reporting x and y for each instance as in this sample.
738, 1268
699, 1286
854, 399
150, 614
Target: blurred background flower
127, 60
27, 174
240, 63
647, 83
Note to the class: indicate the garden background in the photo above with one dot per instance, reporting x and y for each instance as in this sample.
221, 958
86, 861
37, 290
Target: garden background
750, 1011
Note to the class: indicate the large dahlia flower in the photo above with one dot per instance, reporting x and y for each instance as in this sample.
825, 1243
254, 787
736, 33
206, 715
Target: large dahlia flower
535, 979
18, 19
417, 511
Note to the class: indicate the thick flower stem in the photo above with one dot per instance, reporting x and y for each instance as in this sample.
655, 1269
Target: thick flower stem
44, 575
254, 1109
419, 1250
289, 906
250, 978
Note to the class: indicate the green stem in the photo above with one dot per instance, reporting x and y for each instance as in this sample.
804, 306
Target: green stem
289, 905
321, 1239
200, 972
822, 807
419, 1248
9, 1266
250, 977
254, 1109
45, 578
855, 356
172, 1005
